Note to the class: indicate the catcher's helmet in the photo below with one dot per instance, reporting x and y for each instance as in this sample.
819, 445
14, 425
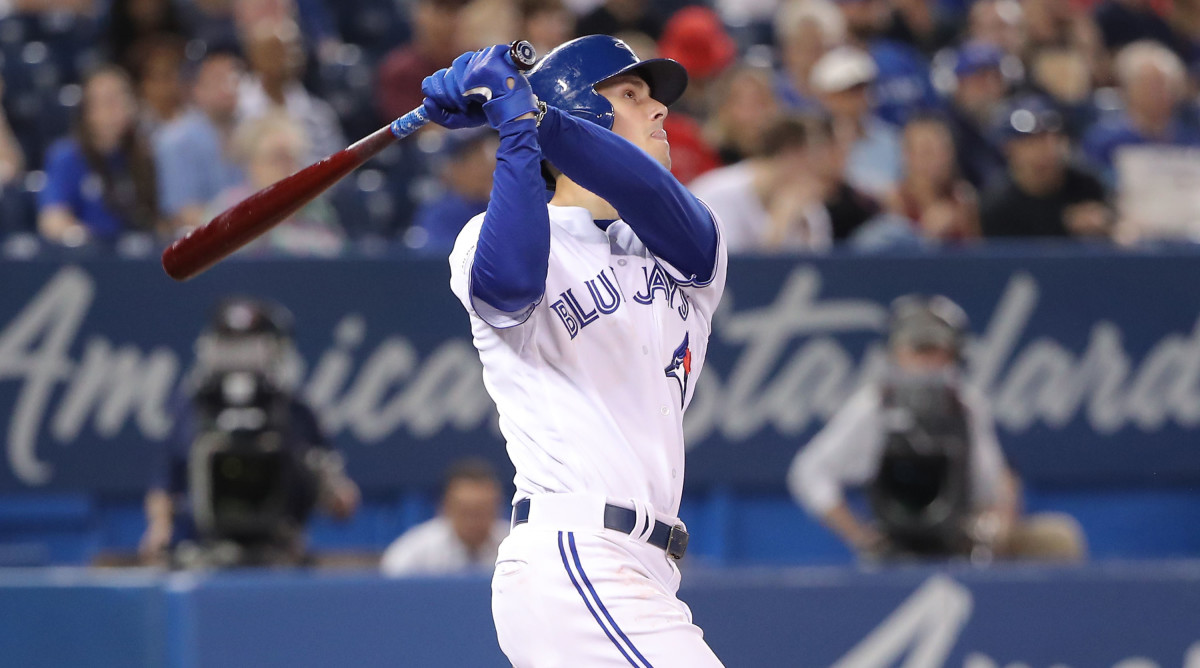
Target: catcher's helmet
566, 78
928, 322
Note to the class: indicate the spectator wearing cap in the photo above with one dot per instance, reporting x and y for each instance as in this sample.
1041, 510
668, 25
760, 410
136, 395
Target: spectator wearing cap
464, 166
194, 154
841, 80
979, 89
1153, 84
804, 31
1043, 195
435, 44
902, 83
773, 201
696, 38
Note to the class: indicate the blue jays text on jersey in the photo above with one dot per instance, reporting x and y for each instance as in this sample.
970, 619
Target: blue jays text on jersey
605, 298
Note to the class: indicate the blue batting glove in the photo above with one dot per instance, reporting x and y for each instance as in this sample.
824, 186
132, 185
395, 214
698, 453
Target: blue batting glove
444, 99
491, 78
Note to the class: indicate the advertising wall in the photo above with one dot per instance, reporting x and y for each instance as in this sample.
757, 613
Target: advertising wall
1091, 357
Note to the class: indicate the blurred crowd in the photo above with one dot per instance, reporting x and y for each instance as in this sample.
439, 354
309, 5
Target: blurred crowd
807, 123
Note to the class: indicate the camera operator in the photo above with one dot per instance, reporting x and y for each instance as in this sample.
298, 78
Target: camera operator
925, 448
246, 462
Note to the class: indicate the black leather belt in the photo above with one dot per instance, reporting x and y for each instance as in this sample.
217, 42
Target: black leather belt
671, 539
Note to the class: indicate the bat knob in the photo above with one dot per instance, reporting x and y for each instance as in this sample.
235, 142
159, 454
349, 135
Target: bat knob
523, 54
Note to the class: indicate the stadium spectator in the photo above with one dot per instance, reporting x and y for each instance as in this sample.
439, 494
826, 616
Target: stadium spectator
804, 31
902, 83
979, 90
850, 210
615, 16
1067, 75
1153, 85
748, 13
924, 445
841, 80
12, 158
1043, 195
1000, 23
941, 204
246, 462
1073, 41
1123, 22
545, 23
695, 37
275, 57
159, 79
270, 148
772, 201
482, 23
465, 535
14, 214
924, 25
745, 106
1184, 18
100, 182
464, 166
130, 22
194, 153
435, 44
211, 23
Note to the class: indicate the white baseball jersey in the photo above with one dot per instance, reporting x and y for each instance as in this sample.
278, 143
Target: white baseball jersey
591, 383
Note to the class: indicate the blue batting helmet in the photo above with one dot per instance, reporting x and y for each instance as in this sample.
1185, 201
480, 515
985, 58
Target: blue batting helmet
566, 78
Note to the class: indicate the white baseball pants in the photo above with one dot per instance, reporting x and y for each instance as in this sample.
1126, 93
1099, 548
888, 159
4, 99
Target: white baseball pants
568, 592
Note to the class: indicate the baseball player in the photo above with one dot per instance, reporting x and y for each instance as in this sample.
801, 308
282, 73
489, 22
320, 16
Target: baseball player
591, 316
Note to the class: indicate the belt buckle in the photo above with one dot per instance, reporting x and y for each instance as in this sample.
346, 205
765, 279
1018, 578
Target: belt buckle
677, 542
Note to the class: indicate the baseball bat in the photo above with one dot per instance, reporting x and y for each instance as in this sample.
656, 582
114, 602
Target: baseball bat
245, 221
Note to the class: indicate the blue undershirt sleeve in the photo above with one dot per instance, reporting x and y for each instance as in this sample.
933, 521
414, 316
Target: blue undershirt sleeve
673, 224
513, 251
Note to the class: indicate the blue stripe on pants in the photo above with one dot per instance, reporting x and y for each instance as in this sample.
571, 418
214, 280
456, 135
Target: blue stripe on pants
566, 565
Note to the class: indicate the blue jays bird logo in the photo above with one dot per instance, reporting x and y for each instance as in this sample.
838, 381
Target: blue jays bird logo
680, 367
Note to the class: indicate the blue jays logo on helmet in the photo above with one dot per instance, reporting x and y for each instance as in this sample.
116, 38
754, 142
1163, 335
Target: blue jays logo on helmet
567, 77
681, 367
